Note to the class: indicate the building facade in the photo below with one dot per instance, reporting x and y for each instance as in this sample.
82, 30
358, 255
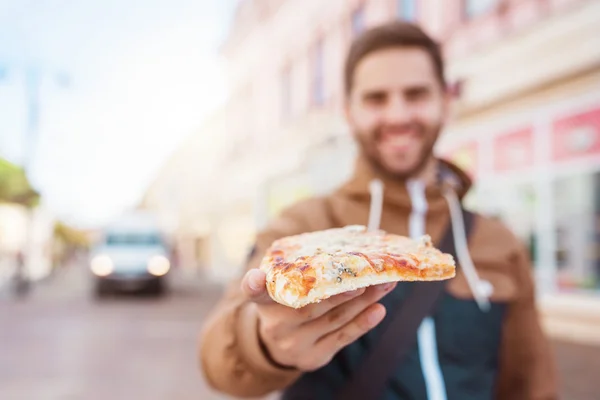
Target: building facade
525, 124
36, 244
184, 195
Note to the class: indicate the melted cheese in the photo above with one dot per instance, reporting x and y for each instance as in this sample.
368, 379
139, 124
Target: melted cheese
352, 238
342, 259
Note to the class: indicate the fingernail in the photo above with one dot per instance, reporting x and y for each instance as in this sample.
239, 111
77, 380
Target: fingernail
387, 286
374, 317
354, 292
254, 283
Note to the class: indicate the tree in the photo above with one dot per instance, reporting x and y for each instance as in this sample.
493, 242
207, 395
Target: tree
15, 187
70, 236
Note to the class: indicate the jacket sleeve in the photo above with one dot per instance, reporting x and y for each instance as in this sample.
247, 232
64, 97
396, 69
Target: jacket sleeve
231, 357
527, 366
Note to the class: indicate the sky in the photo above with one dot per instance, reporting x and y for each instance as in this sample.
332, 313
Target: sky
122, 83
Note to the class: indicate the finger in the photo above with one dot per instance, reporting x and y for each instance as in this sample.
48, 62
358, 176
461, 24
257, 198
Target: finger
329, 345
254, 287
341, 315
316, 310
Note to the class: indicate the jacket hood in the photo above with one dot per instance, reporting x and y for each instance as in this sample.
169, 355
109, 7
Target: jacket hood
396, 191
442, 195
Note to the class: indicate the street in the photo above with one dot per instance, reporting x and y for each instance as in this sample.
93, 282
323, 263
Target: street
61, 344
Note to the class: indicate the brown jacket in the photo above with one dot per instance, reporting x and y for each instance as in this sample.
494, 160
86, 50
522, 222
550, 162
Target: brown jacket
230, 354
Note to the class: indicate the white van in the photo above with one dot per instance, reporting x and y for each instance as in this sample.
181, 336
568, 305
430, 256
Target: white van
132, 255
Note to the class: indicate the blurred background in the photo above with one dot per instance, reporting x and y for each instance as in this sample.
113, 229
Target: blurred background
172, 131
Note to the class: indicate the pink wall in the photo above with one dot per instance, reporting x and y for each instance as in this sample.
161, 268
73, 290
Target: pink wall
261, 90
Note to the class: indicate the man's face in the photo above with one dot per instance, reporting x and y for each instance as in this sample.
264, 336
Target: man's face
396, 109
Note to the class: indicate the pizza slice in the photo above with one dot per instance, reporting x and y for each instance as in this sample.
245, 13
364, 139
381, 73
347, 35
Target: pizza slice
311, 267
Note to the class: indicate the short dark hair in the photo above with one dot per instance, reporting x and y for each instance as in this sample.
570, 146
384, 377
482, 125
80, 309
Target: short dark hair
389, 35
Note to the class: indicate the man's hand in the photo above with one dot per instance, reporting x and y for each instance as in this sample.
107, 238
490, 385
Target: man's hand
309, 337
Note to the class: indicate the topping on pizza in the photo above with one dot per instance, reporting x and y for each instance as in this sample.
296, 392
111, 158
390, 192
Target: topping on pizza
311, 267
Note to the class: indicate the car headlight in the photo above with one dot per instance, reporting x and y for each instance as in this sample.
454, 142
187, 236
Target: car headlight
102, 265
158, 265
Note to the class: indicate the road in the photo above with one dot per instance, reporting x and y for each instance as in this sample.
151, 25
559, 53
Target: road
60, 344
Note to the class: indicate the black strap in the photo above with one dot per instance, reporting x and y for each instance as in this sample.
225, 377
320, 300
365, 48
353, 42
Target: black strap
370, 379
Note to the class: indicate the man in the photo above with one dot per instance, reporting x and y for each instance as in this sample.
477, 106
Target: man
482, 341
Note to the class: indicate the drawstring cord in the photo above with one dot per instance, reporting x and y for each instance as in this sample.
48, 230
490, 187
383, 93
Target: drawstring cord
376, 205
481, 289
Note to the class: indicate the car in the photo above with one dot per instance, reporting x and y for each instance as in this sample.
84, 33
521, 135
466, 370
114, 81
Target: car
131, 255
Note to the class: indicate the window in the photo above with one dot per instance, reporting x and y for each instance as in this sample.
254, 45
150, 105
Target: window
286, 92
475, 8
358, 20
577, 211
318, 92
407, 10
133, 239
514, 204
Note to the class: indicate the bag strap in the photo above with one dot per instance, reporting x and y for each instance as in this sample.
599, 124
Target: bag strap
370, 379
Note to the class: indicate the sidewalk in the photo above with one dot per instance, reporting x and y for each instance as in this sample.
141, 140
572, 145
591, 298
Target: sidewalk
578, 368
572, 317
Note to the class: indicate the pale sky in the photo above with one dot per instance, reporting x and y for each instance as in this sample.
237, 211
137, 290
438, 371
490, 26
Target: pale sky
143, 75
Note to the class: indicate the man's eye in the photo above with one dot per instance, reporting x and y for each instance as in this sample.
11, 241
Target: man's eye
375, 98
417, 94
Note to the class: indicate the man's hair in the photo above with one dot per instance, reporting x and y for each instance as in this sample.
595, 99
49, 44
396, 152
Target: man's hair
390, 35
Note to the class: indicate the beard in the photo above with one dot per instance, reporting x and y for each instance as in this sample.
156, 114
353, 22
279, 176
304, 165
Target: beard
367, 142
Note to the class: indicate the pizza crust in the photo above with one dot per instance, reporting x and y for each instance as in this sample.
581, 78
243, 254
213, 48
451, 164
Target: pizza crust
311, 267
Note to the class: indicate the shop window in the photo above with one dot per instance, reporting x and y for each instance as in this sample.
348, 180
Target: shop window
318, 89
407, 9
577, 213
476, 8
286, 93
358, 20
513, 204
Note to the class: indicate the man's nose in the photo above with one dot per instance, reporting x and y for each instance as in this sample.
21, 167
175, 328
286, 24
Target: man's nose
397, 111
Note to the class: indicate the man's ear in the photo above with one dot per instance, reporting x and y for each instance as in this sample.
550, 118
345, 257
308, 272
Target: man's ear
347, 108
447, 104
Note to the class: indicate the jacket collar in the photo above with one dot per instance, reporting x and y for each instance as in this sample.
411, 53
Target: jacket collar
396, 191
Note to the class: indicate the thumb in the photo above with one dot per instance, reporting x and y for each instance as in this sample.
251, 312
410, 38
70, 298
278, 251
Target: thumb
254, 286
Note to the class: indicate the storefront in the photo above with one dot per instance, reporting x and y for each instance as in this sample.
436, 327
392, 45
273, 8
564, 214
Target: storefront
542, 177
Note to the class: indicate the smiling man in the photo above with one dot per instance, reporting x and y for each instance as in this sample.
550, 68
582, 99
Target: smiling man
479, 339
396, 107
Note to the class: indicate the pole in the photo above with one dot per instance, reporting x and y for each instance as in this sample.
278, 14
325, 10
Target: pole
32, 91
33, 78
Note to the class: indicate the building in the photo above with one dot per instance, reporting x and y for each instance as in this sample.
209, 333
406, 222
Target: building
29, 232
184, 193
526, 124
531, 135
26, 226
